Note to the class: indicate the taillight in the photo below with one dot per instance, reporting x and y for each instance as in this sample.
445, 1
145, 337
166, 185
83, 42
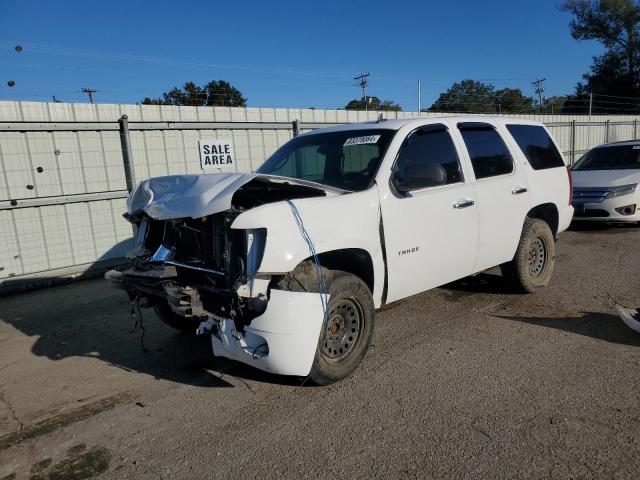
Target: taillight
570, 185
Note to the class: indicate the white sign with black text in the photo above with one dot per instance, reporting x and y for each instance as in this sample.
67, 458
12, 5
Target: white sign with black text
217, 154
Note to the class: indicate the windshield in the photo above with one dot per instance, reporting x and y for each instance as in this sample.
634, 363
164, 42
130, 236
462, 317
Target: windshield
347, 159
623, 157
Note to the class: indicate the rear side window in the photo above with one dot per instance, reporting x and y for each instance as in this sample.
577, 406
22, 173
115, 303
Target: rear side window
537, 146
431, 145
490, 156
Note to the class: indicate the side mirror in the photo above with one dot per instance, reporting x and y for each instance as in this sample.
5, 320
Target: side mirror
415, 177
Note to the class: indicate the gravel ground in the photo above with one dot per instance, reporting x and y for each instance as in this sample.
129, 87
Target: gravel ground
464, 381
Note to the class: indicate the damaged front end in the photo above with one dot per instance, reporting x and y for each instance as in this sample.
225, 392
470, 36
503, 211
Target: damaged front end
204, 274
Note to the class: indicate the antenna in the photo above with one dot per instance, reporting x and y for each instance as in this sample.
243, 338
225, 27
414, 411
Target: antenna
364, 83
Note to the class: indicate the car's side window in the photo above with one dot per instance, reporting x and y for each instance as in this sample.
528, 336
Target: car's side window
431, 145
537, 146
489, 155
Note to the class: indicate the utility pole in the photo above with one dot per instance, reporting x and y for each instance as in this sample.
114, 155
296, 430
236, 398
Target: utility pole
364, 83
419, 95
539, 90
89, 92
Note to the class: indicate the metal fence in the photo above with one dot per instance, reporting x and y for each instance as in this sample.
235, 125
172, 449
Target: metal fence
63, 178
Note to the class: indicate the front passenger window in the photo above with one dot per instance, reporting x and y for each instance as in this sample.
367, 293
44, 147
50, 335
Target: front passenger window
431, 146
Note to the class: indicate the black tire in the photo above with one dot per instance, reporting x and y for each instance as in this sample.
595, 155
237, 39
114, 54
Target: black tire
188, 326
532, 265
348, 330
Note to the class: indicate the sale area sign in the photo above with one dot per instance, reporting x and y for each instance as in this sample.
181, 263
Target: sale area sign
217, 154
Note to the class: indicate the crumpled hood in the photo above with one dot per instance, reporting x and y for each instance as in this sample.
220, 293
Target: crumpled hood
197, 195
604, 178
180, 196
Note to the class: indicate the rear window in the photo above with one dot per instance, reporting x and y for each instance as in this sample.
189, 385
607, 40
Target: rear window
622, 157
537, 146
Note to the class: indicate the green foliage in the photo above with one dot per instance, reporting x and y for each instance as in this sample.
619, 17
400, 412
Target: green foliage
615, 24
374, 104
216, 93
554, 105
471, 96
512, 100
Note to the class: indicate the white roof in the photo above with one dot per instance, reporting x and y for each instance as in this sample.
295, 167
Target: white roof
396, 124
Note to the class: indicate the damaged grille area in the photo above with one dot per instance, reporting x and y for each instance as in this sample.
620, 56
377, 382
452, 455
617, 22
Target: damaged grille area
196, 266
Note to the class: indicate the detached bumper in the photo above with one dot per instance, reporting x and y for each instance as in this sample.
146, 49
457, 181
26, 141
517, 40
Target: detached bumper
283, 340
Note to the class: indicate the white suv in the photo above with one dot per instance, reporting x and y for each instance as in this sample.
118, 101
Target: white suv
285, 267
605, 182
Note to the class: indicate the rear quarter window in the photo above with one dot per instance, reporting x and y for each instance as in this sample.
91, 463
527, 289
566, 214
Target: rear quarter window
537, 146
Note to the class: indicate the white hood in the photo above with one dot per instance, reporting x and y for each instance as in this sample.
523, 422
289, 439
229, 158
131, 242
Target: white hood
605, 178
199, 195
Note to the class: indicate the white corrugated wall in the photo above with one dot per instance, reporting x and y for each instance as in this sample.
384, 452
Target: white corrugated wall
65, 238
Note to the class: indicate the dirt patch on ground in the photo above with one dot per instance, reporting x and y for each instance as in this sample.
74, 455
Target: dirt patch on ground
62, 420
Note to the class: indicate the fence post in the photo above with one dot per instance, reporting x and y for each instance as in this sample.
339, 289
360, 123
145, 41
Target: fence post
635, 129
296, 128
573, 142
606, 131
127, 160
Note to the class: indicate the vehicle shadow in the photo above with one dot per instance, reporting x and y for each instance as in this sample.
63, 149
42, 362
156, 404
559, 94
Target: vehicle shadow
490, 282
91, 319
602, 326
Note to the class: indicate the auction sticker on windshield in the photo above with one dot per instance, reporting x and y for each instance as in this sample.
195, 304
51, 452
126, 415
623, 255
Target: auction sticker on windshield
361, 140
217, 154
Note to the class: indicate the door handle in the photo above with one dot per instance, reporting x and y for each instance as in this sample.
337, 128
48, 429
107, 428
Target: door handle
463, 203
519, 190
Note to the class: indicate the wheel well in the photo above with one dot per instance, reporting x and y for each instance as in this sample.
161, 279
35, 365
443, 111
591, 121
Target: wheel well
547, 212
353, 260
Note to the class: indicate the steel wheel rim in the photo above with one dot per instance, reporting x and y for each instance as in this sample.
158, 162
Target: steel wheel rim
537, 256
343, 330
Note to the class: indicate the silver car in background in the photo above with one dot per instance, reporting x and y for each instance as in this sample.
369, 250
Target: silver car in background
605, 183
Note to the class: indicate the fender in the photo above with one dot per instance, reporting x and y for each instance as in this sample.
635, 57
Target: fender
333, 223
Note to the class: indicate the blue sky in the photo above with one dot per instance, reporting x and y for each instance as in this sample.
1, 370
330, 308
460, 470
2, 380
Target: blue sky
284, 54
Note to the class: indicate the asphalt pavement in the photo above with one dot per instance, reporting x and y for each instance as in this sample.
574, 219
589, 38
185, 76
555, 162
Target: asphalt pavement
464, 381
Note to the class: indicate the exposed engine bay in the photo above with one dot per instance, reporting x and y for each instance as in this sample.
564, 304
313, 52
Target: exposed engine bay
201, 267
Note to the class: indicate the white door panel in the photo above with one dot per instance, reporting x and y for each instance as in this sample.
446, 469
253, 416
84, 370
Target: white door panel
503, 201
429, 241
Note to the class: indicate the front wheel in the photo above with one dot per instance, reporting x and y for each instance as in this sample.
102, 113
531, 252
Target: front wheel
532, 265
347, 331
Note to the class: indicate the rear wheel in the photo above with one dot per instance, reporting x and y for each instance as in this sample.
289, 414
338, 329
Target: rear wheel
533, 263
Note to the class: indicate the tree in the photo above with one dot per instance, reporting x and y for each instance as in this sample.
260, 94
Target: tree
374, 104
512, 100
615, 24
554, 105
477, 97
216, 93
578, 103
